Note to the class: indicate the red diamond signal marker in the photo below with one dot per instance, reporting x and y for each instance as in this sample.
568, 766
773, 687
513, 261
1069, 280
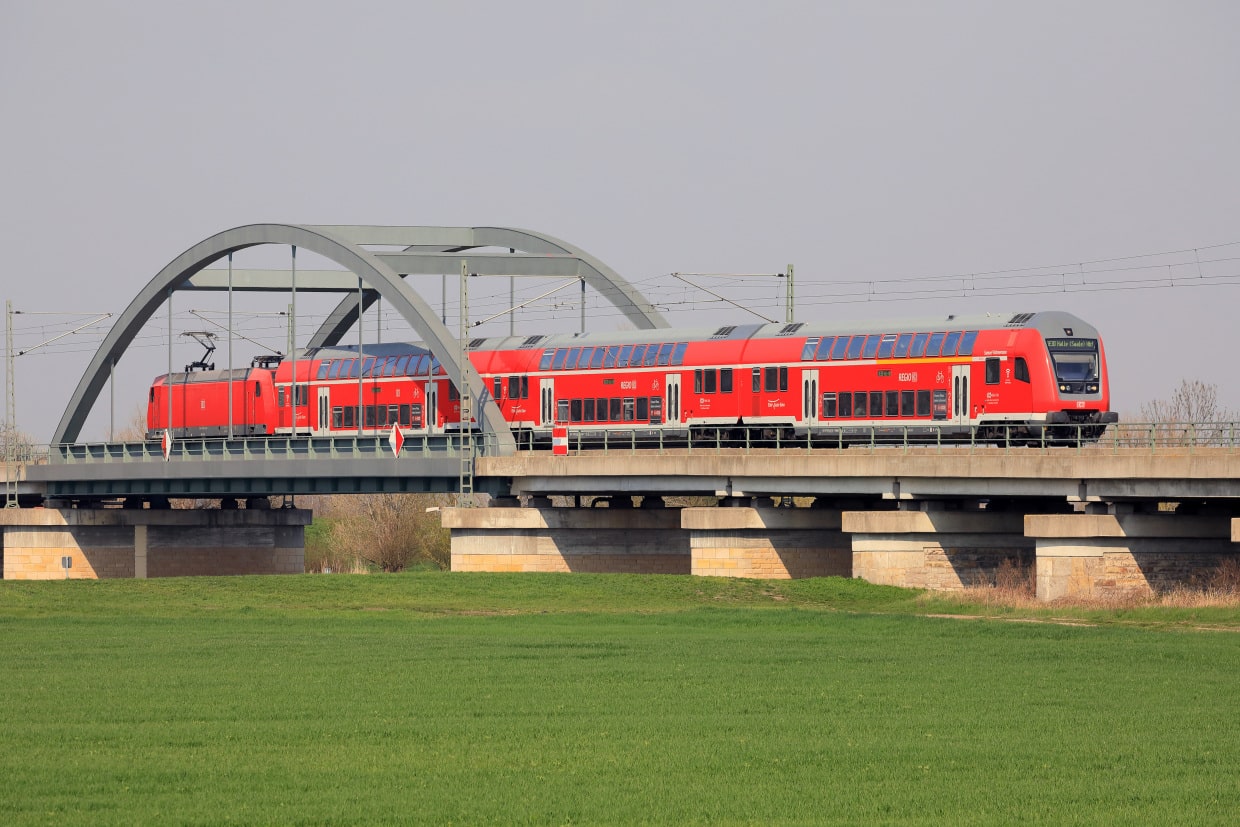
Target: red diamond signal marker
166, 444
396, 440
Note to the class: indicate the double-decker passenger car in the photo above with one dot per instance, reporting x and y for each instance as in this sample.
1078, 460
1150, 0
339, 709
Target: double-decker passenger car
1015, 377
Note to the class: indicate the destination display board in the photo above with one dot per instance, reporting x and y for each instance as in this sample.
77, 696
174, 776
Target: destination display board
1072, 344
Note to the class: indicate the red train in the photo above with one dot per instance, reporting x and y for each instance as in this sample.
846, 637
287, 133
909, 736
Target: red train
1027, 376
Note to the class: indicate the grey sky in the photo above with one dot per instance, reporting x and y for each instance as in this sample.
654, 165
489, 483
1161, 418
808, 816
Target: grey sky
856, 140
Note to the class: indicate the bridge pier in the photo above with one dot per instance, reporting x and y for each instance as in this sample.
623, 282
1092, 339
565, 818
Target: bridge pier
935, 548
1126, 554
107, 542
776, 543
545, 538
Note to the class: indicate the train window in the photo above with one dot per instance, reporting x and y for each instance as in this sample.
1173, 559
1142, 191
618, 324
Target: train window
725, 380
656, 410
635, 358
558, 362
370, 416
652, 354
840, 349
992, 371
966, 343
918, 348
923, 403
349, 420
811, 345
871, 346
846, 404
876, 403
949, 344
783, 379
772, 380
545, 362
561, 410
497, 388
587, 409
368, 369
415, 415
393, 366
609, 356
757, 380
453, 393
855, 347
859, 409
279, 397
935, 344
629, 407
908, 406
643, 408
711, 377
587, 357
1022, 369
337, 418
574, 408
697, 381
570, 362
886, 345
402, 365
902, 344
394, 414
623, 360
258, 390
828, 406
337, 364
613, 410
678, 353
600, 409
324, 367
596, 361
402, 415
893, 403
824, 348
665, 353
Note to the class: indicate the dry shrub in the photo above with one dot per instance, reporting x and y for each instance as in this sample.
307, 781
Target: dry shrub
390, 532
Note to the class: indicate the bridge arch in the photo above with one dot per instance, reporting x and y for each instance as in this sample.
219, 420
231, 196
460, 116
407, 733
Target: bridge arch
434, 243
364, 263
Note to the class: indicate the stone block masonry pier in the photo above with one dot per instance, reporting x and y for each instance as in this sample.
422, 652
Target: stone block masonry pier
138, 543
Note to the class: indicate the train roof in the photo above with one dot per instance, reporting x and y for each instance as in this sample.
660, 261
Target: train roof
1048, 323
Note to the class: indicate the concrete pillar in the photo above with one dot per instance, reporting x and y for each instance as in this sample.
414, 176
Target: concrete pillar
543, 538
109, 542
1126, 555
776, 543
935, 548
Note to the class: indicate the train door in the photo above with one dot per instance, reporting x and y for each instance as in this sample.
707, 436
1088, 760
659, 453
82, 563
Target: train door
809, 397
432, 407
960, 395
672, 408
323, 421
546, 407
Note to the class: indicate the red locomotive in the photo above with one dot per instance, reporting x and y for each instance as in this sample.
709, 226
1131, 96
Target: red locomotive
1018, 377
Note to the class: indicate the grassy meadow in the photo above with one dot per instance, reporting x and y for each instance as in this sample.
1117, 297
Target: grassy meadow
604, 699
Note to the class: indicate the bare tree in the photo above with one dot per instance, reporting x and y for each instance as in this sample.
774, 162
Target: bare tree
1192, 415
389, 531
19, 445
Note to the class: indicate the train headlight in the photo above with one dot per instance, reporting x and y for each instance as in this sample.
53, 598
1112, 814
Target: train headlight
1063, 388
1092, 388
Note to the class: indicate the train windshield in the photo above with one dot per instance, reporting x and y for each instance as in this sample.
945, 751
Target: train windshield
1076, 360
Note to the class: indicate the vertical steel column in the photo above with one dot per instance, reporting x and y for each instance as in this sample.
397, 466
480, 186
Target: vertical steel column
465, 477
230, 347
512, 301
583, 305
111, 400
790, 299
168, 384
361, 359
10, 423
292, 339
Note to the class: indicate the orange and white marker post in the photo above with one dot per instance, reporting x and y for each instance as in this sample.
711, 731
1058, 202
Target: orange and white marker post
559, 439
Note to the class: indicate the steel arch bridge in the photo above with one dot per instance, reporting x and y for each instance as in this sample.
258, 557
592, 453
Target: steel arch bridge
377, 273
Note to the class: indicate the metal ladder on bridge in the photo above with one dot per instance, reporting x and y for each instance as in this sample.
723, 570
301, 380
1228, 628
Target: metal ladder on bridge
465, 481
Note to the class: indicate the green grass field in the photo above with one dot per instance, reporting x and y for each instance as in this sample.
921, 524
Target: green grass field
601, 699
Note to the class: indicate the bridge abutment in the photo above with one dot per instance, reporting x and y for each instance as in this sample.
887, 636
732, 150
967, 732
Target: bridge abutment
775, 543
1118, 556
110, 543
935, 548
545, 538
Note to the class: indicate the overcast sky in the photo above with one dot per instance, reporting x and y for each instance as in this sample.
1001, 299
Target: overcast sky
861, 141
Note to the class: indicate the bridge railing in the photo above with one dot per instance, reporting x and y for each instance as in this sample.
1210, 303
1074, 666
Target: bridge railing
1127, 436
